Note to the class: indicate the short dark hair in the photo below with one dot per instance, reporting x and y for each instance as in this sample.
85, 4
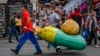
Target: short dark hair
14, 13
18, 17
77, 9
25, 6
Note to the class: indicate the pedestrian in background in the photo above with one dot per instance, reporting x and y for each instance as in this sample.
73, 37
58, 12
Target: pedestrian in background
77, 16
93, 30
13, 28
18, 24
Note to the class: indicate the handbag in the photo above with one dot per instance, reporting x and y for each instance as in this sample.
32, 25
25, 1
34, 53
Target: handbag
85, 33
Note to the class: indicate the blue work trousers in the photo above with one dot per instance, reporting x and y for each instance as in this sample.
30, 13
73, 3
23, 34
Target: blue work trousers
28, 35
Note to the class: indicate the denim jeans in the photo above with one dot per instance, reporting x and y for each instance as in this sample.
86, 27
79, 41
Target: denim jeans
13, 31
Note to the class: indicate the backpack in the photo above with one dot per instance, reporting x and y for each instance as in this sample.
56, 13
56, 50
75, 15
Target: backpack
12, 21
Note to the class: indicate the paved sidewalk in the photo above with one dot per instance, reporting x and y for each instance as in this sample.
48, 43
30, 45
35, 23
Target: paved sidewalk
28, 50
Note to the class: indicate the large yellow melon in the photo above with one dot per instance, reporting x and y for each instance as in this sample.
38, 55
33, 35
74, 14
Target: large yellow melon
70, 27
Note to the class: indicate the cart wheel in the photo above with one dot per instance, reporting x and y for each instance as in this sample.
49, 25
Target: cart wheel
60, 52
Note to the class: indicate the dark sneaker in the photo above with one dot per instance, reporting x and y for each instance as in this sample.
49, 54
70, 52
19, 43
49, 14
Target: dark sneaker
17, 40
38, 52
14, 51
57, 50
10, 41
88, 43
99, 38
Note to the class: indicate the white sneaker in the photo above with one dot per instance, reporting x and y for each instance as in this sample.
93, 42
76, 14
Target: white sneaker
97, 46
